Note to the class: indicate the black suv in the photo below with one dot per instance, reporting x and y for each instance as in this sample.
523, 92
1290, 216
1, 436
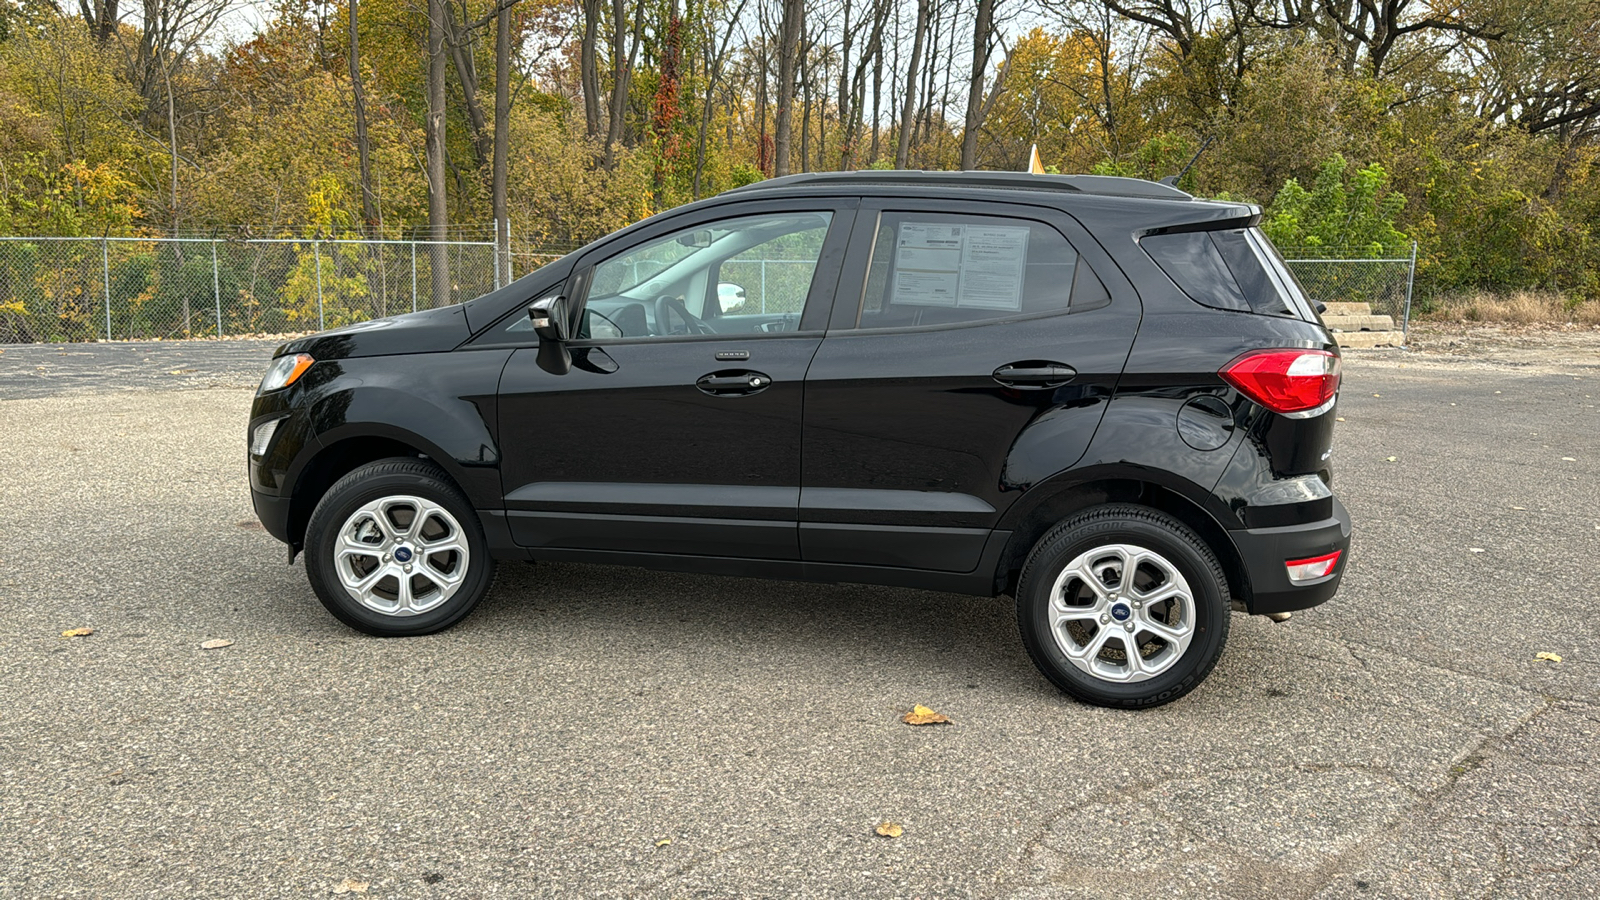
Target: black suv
1098, 395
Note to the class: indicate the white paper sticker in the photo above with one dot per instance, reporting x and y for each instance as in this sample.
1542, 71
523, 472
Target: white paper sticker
963, 266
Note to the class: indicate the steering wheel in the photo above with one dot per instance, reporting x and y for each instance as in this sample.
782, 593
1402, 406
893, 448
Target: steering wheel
668, 306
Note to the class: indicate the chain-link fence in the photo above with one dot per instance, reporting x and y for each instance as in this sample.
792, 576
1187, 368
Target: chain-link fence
1333, 275
86, 289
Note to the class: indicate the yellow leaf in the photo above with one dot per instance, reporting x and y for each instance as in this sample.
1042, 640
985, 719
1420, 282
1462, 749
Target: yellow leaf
663, 842
1547, 656
77, 632
351, 886
1391, 458
922, 715
215, 644
889, 830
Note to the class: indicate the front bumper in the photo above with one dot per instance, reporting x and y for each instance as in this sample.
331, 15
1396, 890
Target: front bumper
1265, 550
273, 511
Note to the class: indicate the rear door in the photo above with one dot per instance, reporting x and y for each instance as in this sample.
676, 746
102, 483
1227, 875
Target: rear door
970, 354
678, 428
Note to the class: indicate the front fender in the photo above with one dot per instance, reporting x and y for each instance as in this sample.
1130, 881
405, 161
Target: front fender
447, 413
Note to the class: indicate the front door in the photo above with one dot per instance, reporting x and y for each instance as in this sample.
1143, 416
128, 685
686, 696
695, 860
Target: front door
678, 427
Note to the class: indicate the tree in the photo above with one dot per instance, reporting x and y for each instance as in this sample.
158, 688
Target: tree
790, 27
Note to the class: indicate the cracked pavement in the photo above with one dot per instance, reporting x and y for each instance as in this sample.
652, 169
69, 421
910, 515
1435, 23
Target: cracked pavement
605, 732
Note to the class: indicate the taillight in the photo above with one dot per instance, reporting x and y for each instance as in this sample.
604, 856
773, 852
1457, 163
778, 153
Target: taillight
1298, 383
1302, 570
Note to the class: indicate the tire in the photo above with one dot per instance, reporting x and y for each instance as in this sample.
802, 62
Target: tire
433, 541
1064, 618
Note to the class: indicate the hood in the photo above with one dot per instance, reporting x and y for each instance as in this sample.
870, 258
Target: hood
427, 331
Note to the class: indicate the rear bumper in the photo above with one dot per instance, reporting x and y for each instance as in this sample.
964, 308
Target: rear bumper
1265, 550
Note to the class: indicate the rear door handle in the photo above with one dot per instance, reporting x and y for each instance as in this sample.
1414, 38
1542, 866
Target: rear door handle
733, 383
1035, 375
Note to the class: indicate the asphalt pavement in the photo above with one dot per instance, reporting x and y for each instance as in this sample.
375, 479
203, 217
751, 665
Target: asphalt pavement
601, 732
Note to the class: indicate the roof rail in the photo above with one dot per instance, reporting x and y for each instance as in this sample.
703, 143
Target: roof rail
1106, 185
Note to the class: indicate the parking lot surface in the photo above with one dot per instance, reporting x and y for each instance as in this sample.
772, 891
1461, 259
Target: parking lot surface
602, 732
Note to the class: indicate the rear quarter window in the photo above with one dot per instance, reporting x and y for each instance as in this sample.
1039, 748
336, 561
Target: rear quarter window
1220, 269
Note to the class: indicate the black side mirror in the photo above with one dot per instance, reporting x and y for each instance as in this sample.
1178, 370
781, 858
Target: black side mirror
551, 319
553, 324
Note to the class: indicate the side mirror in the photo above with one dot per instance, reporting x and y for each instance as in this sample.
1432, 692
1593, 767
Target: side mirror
551, 319
730, 295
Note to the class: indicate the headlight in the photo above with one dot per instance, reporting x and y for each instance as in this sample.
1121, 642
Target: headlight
285, 370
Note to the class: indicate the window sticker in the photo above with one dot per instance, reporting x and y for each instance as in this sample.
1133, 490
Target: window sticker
961, 266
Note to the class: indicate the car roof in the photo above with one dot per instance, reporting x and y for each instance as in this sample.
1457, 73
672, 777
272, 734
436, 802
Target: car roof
1099, 185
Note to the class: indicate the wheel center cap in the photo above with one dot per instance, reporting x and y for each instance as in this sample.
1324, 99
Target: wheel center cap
1119, 611
403, 554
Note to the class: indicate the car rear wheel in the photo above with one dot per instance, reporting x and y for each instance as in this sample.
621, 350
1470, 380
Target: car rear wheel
394, 549
1123, 606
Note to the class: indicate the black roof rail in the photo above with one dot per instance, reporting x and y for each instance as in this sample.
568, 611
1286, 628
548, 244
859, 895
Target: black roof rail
1106, 185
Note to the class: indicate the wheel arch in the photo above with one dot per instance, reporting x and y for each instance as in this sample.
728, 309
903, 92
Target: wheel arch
1049, 505
343, 455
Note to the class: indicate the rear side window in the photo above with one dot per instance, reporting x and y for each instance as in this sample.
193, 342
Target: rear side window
1221, 269
941, 269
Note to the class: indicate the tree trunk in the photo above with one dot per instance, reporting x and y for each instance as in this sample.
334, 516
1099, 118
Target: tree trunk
459, 39
902, 153
982, 31
622, 59
369, 206
788, 57
502, 139
438, 212
589, 68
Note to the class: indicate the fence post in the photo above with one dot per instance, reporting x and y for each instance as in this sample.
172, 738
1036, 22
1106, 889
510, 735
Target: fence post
316, 251
413, 276
1411, 280
216, 287
105, 278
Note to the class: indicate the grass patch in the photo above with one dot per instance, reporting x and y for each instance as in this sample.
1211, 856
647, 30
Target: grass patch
1514, 308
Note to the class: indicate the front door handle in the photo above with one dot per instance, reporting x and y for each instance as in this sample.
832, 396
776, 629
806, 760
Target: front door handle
733, 383
1035, 375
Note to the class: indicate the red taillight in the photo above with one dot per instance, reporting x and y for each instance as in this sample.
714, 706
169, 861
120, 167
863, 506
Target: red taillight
1286, 381
1301, 570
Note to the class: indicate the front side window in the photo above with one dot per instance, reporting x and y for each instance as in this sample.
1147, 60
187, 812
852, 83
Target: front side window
735, 276
942, 269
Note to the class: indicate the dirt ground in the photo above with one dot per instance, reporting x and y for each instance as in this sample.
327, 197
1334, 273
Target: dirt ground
1541, 349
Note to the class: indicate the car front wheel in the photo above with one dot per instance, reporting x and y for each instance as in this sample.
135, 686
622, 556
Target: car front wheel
1123, 606
394, 549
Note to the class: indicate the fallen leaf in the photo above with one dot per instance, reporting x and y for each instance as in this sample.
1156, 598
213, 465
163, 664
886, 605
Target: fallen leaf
1547, 656
889, 830
351, 886
1568, 459
1380, 395
215, 644
78, 632
1391, 458
1475, 549
1341, 418
663, 842
921, 715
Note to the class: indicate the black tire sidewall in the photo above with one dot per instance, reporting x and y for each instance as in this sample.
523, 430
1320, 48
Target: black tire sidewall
1143, 528
386, 479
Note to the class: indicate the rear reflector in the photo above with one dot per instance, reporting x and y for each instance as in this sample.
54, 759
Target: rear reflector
1289, 382
1301, 570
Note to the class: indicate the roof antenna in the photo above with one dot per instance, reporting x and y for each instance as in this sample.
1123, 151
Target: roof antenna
1172, 180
